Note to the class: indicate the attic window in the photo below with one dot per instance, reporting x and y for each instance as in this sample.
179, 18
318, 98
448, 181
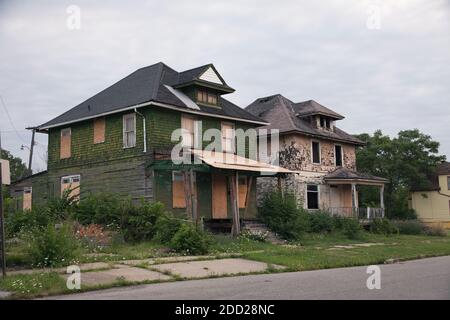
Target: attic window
206, 97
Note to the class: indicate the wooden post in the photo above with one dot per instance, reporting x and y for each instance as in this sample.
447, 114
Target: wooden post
187, 193
193, 197
30, 160
247, 195
354, 198
236, 224
2, 219
382, 200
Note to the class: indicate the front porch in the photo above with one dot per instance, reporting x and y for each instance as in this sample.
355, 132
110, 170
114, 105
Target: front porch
344, 200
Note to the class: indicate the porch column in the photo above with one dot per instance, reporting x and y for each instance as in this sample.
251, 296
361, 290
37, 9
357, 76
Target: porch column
382, 200
355, 204
234, 194
193, 193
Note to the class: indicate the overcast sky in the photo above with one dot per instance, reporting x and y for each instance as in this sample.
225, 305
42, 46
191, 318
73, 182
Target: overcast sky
383, 64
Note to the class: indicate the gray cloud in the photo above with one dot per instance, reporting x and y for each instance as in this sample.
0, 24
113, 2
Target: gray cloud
393, 78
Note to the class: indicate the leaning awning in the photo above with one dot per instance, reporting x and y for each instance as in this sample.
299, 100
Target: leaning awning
223, 160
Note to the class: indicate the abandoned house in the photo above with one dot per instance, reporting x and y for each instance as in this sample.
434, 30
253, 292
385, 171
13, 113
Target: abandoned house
119, 141
321, 154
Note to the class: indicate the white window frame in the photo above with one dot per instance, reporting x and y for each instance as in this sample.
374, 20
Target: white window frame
342, 155
223, 137
71, 178
312, 152
318, 195
125, 133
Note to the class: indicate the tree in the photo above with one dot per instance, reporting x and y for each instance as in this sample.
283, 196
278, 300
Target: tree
17, 167
406, 160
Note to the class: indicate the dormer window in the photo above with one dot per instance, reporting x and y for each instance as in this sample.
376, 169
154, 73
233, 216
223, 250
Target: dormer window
204, 96
324, 122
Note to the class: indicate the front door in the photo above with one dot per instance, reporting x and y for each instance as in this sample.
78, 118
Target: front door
219, 196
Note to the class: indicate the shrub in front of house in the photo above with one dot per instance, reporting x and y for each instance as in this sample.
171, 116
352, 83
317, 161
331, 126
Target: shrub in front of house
320, 222
189, 239
52, 245
166, 228
435, 230
100, 208
383, 226
351, 228
411, 227
139, 221
282, 215
23, 221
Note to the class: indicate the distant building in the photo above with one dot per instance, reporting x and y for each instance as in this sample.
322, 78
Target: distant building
432, 204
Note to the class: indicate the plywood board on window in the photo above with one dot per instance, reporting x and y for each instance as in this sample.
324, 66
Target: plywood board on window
219, 196
99, 130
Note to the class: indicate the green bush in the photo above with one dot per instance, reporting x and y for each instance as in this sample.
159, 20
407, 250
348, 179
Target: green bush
191, 240
52, 246
320, 222
139, 221
166, 227
435, 230
283, 216
383, 226
351, 228
23, 221
100, 208
412, 227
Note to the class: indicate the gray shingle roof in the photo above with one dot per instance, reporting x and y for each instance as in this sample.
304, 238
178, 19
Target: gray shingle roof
432, 183
282, 115
311, 107
142, 86
344, 173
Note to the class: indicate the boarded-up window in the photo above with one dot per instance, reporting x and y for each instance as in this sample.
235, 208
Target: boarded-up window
188, 124
27, 198
66, 143
315, 152
448, 183
71, 183
228, 137
243, 185
178, 197
129, 130
99, 130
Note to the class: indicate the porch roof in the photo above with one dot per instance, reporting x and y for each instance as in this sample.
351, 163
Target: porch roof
347, 176
229, 161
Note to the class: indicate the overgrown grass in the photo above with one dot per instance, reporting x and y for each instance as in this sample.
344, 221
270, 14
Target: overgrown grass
35, 284
321, 253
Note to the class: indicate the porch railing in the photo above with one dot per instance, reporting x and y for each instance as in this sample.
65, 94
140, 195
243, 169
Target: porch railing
360, 213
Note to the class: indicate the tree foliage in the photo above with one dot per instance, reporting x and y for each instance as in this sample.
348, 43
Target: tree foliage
18, 168
406, 160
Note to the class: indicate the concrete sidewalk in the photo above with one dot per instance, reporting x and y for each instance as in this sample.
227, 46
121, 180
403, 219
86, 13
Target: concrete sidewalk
159, 269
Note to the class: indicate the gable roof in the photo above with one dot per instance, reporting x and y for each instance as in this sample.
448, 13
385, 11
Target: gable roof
282, 115
147, 86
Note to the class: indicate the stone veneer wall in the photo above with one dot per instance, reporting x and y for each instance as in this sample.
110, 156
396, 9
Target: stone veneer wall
295, 154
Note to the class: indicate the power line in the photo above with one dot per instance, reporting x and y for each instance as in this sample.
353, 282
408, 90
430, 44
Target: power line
10, 120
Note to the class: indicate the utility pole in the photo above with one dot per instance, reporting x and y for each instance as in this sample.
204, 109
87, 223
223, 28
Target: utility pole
2, 218
31, 150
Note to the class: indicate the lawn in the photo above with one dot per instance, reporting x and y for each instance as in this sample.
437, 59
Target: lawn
321, 252
315, 251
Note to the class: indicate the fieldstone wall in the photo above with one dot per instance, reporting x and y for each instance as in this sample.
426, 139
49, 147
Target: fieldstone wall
295, 154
